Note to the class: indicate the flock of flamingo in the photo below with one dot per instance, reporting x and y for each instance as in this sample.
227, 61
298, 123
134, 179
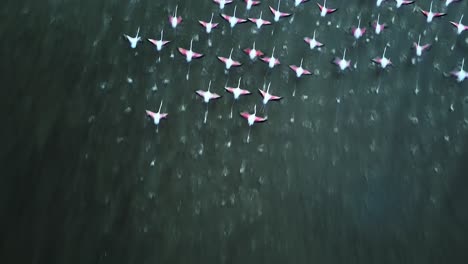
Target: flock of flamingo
342, 63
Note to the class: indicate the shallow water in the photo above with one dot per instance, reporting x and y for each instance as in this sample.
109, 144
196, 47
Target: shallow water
364, 166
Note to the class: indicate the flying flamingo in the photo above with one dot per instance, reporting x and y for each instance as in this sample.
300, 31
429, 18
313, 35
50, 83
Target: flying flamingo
189, 55
460, 74
208, 25
251, 3
272, 61
460, 27
233, 20
236, 92
267, 96
229, 62
342, 63
252, 119
299, 72
253, 53
222, 3
420, 48
207, 96
159, 43
383, 62
313, 43
175, 20
277, 13
358, 32
157, 116
430, 15
133, 40
324, 10
377, 26
259, 21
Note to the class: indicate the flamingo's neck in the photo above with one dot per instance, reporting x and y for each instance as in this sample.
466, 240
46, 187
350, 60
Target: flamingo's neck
160, 106
344, 54
235, 8
301, 62
191, 42
212, 14
419, 39
385, 50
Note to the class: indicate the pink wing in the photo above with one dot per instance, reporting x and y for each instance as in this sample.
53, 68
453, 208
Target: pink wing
337, 61
259, 53
179, 20
260, 119
197, 55
247, 51
331, 10
363, 30
425, 13
306, 72
163, 115
320, 7
213, 25
377, 60
152, 114
266, 59
284, 14
200, 93
307, 40
203, 23
272, 10
183, 51
275, 98
215, 96
277, 62
165, 42
154, 41
241, 20
229, 89
425, 47
439, 14
223, 59
407, 2
263, 93
454, 24
236, 63
226, 17
293, 67
244, 92
245, 115
415, 45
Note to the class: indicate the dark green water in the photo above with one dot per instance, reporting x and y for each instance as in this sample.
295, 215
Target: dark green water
378, 178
